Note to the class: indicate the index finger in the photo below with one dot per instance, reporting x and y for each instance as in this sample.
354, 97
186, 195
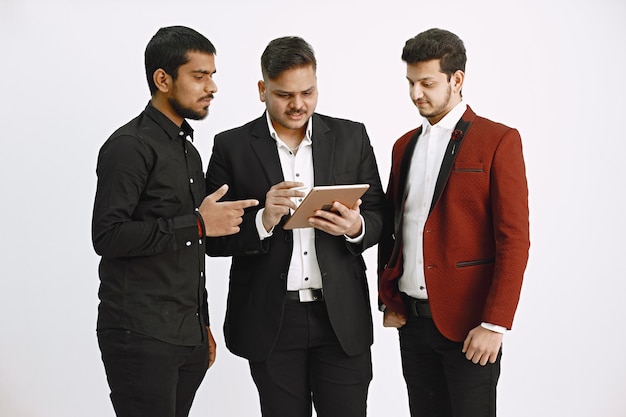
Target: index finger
242, 204
287, 184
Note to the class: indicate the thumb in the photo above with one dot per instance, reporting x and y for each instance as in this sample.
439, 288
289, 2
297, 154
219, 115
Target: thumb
219, 193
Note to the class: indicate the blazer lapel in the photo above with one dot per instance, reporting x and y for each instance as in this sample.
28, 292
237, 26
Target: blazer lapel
401, 191
454, 145
266, 151
323, 152
400, 194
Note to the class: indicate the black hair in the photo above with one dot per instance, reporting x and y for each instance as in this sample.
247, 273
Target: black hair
436, 44
168, 49
285, 53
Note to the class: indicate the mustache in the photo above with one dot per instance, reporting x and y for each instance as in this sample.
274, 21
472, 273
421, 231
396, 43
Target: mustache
210, 96
297, 111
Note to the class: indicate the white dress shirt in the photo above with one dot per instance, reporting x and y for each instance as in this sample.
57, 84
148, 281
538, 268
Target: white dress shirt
420, 186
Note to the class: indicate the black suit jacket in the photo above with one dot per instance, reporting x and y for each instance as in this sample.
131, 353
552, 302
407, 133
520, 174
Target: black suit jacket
246, 158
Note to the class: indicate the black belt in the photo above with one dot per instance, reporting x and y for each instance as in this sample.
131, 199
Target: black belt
306, 296
417, 307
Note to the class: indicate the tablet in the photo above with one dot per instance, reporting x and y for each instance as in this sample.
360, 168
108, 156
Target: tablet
323, 197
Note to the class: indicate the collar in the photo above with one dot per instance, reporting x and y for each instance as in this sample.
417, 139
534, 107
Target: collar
172, 130
308, 134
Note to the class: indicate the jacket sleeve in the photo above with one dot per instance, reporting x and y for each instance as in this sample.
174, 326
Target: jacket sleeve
247, 241
509, 202
373, 201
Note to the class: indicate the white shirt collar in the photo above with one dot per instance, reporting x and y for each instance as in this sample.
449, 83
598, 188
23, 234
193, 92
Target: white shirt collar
308, 134
450, 120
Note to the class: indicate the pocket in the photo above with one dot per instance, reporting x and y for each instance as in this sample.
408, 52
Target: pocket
468, 167
476, 262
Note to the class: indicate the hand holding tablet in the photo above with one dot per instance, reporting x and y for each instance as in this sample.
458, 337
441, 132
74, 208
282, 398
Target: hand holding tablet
323, 197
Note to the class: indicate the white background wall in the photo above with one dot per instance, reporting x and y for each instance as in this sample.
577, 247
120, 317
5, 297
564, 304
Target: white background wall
71, 72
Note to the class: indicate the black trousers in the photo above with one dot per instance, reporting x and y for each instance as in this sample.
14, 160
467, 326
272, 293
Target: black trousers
441, 382
148, 377
307, 365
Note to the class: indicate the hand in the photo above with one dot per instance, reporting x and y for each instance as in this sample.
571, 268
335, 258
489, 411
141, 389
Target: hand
278, 201
393, 319
222, 218
212, 347
341, 221
482, 345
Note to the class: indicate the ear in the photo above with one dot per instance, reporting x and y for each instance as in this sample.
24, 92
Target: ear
457, 80
162, 80
261, 85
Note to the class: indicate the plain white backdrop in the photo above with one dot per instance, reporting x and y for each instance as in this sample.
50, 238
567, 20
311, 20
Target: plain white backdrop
71, 72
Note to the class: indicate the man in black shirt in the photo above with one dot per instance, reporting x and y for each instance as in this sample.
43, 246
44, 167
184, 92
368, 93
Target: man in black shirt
150, 219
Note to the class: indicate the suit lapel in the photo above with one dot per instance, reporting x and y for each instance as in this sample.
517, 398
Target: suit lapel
323, 152
454, 145
401, 194
266, 151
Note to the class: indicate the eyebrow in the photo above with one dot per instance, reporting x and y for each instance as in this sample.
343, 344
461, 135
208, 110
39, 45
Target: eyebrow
278, 91
422, 79
203, 71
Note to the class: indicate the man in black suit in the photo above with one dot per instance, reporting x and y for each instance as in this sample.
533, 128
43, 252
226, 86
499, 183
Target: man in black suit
298, 302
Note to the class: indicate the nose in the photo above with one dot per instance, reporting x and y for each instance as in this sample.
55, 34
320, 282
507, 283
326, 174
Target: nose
416, 92
296, 101
211, 86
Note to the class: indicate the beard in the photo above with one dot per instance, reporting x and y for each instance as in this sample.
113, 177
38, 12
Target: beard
440, 108
186, 112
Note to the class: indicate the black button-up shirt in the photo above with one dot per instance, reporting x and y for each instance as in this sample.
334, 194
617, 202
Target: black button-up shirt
145, 227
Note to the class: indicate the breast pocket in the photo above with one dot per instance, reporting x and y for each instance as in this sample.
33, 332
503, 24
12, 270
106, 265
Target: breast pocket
468, 167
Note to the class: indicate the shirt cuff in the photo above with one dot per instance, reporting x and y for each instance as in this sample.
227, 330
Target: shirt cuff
360, 237
258, 220
493, 327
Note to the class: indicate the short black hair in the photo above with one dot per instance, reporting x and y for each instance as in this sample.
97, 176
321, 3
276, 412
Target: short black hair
436, 44
168, 49
285, 53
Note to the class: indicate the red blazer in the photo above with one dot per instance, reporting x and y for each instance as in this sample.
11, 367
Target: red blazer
476, 236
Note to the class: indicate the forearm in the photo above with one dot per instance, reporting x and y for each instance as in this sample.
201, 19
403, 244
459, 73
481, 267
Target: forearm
124, 238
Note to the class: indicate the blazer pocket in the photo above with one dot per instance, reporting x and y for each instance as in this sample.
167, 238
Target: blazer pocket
475, 262
468, 167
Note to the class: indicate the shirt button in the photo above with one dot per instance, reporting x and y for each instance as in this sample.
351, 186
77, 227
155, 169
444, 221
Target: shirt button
306, 253
200, 242
306, 278
421, 287
297, 175
201, 273
181, 133
188, 243
191, 180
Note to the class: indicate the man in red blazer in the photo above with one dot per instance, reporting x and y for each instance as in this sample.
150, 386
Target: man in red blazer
452, 258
